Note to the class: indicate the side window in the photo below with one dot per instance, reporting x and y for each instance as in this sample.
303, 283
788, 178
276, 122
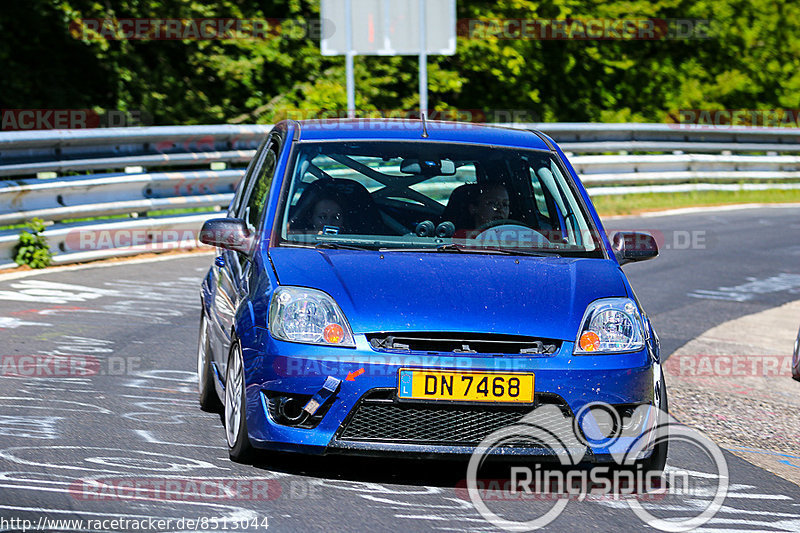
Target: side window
539, 195
244, 183
257, 196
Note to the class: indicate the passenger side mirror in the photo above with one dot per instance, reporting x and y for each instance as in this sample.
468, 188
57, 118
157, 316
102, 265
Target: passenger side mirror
631, 246
228, 233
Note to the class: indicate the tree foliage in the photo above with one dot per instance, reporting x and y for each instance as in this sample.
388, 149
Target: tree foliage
750, 60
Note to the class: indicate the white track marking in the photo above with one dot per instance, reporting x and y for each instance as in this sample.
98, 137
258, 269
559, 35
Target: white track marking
148, 437
14, 322
184, 464
51, 292
87, 266
29, 427
50, 405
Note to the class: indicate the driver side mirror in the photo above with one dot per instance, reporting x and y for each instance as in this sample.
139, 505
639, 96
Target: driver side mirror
228, 233
631, 246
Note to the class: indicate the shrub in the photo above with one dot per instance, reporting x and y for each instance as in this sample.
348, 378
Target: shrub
32, 249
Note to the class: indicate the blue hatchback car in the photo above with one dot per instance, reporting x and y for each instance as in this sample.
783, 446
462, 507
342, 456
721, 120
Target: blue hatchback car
401, 286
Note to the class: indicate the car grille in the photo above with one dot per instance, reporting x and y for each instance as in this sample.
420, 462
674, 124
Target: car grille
377, 418
462, 343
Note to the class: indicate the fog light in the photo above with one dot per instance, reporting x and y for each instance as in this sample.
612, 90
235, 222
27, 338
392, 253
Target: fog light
290, 410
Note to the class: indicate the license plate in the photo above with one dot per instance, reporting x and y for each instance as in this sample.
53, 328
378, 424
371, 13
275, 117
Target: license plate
464, 386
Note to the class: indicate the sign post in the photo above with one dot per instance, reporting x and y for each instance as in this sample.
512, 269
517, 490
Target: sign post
348, 62
388, 28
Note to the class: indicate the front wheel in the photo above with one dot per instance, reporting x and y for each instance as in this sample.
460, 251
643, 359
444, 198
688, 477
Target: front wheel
209, 401
657, 461
239, 447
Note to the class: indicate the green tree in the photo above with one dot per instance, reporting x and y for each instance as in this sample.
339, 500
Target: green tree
750, 60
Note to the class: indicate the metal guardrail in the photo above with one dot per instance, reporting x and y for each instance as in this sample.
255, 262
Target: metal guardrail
669, 158
105, 195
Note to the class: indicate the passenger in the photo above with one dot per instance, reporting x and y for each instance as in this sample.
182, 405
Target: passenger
320, 210
326, 212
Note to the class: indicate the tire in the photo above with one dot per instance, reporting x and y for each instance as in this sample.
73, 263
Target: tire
207, 393
657, 461
239, 447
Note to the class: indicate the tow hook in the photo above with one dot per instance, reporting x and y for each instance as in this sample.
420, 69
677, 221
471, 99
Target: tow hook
328, 389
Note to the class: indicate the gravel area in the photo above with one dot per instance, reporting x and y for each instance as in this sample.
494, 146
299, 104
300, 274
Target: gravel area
734, 384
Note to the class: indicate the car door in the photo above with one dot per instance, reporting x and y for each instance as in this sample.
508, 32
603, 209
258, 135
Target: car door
234, 267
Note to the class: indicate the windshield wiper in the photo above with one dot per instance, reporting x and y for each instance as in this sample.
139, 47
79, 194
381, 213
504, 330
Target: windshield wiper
453, 247
440, 248
514, 251
339, 246
460, 248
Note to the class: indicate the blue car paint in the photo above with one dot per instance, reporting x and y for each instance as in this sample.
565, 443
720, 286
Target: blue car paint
407, 291
404, 291
624, 378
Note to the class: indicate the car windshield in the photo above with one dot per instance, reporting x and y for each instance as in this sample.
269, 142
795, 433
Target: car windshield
427, 196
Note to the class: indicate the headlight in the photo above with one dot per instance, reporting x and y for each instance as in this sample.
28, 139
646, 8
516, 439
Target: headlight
309, 316
610, 325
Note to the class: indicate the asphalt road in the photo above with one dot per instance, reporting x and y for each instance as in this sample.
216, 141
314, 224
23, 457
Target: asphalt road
73, 445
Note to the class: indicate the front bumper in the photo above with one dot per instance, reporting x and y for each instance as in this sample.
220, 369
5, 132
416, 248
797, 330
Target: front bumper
570, 382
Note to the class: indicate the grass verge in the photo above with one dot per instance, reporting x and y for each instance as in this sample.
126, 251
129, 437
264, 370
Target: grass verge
631, 204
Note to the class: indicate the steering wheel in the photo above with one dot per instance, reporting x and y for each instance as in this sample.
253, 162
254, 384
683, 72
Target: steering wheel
502, 222
498, 230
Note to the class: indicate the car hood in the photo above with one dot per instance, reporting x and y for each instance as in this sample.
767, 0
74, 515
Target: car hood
453, 292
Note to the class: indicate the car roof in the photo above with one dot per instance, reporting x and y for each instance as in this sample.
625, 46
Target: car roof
412, 130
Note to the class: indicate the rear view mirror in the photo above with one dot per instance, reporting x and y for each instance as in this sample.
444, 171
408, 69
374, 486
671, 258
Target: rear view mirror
631, 246
428, 167
228, 233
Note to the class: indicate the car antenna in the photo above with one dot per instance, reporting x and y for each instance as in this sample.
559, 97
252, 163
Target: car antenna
424, 123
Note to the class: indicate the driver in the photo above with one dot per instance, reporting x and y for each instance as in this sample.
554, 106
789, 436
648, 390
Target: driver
491, 204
